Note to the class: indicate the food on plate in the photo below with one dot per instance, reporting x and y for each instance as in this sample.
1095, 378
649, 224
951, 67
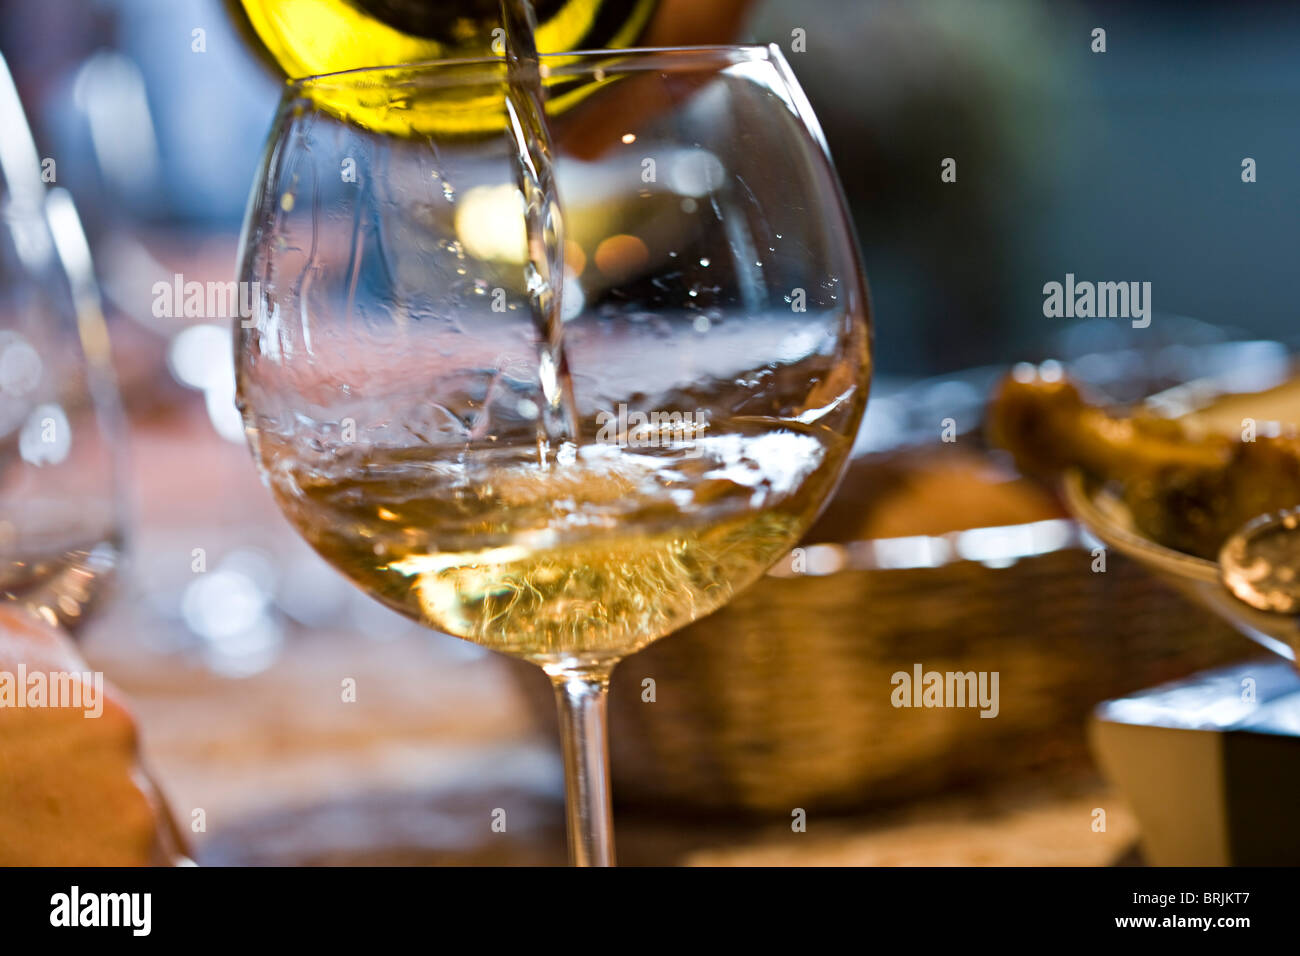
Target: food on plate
1187, 488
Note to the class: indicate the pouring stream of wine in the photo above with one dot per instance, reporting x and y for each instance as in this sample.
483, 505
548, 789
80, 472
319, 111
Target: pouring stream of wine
543, 220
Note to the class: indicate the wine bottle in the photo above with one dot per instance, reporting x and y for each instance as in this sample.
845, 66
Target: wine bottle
309, 37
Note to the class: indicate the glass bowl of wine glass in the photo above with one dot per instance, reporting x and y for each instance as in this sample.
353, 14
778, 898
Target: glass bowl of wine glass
554, 355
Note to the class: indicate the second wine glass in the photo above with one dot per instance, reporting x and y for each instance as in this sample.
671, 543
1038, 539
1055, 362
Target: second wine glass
62, 501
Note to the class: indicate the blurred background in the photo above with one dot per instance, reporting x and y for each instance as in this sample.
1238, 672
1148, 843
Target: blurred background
1122, 165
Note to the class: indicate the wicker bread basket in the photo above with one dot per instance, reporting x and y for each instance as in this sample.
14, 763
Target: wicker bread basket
783, 698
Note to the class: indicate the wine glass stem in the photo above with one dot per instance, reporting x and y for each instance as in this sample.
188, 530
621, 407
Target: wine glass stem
581, 699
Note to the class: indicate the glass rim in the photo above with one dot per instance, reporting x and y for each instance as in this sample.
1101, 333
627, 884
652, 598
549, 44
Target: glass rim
462, 71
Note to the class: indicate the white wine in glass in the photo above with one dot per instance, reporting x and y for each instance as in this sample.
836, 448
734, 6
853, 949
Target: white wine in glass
394, 380
574, 565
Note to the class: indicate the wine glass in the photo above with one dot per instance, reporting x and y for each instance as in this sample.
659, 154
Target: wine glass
61, 448
563, 493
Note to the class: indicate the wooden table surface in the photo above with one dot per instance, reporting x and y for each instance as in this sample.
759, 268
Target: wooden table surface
274, 767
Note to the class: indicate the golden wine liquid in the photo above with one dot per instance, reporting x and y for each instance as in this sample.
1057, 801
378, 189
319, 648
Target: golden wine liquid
578, 562
58, 560
529, 132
